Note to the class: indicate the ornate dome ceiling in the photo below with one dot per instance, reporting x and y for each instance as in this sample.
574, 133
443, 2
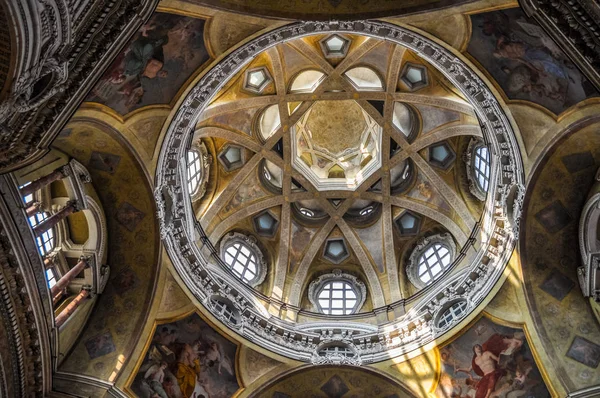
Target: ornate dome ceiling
339, 174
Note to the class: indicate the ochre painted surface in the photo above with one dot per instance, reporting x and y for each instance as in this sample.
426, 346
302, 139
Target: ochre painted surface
566, 347
127, 200
549, 246
79, 231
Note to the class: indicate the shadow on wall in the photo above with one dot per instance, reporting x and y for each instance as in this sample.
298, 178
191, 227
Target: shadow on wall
334, 382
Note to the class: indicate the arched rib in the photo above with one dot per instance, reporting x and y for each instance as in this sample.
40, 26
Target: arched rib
244, 212
435, 215
369, 269
302, 271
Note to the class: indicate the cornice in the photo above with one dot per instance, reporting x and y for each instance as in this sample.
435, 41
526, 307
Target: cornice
26, 312
62, 50
575, 26
199, 265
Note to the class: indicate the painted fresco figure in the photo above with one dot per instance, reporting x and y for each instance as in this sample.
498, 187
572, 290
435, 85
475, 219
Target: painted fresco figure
526, 62
214, 355
539, 72
155, 376
485, 364
188, 370
515, 388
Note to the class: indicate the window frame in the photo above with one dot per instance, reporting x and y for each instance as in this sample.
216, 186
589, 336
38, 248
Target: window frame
195, 179
318, 285
49, 278
454, 318
205, 160
424, 244
250, 243
472, 172
47, 236
225, 310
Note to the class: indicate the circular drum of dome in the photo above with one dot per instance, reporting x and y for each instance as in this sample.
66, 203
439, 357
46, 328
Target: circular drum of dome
499, 223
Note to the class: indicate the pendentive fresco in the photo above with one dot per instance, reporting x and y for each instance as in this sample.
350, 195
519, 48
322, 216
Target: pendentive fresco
187, 359
154, 65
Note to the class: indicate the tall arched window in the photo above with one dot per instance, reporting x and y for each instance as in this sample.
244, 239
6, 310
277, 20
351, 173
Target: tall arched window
194, 171
481, 166
51, 277
27, 198
45, 242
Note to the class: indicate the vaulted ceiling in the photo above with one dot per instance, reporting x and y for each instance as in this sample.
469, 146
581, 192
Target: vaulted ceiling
334, 153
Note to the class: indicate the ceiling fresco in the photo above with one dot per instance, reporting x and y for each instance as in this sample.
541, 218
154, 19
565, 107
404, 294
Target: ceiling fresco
525, 62
551, 256
490, 360
346, 173
151, 69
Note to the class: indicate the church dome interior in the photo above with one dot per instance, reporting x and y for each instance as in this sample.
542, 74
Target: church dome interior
316, 198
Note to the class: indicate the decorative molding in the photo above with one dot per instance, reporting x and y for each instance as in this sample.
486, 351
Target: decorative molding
589, 273
575, 26
63, 48
25, 305
197, 263
588, 392
343, 340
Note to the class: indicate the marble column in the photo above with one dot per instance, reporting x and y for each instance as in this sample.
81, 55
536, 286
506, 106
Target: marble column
41, 182
33, 208
50, 260
57, 297
72, 307
50, 222
69, 276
